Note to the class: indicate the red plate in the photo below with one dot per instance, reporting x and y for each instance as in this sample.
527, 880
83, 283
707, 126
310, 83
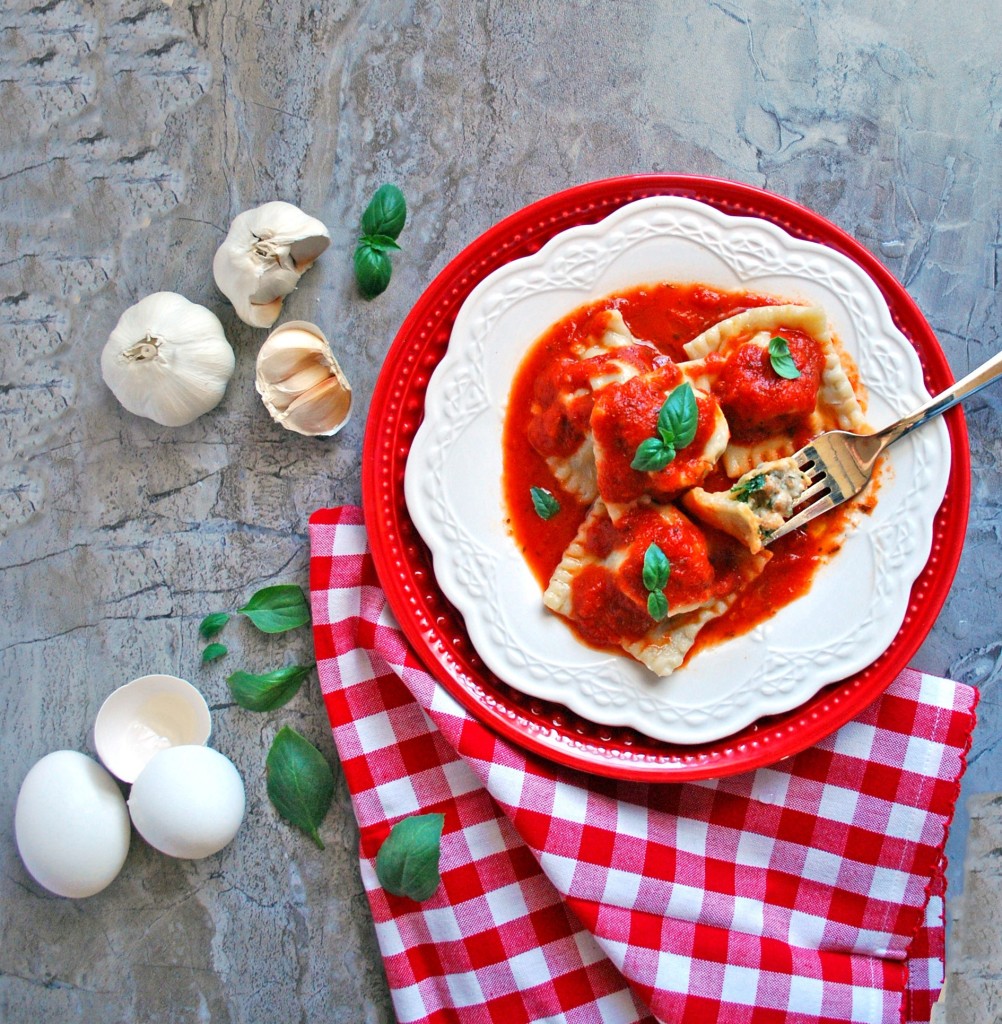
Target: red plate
435, 628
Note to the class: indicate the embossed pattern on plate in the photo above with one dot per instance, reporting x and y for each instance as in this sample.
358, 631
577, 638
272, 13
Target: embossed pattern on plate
453, 477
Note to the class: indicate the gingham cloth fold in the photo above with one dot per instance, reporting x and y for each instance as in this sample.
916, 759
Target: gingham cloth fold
811, 890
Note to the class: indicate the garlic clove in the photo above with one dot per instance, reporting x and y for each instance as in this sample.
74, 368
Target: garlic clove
324, 409
168, 359
263, 256
301, 383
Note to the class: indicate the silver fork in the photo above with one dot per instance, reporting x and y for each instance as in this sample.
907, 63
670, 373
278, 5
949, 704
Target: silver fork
841, 463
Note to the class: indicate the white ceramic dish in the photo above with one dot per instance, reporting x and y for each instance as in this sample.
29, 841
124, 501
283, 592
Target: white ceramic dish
454, 495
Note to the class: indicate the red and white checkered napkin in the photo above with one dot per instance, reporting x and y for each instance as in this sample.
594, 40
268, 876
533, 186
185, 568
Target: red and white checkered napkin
799, 892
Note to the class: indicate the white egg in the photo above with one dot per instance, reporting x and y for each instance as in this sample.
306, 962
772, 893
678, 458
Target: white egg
188, 802
71, 825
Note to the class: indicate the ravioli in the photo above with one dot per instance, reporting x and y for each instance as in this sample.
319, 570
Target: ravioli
625, 415
606, 354
756, 506
770, 416
599, 583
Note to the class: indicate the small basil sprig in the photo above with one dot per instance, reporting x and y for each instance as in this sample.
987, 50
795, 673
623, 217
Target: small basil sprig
676, 427
213, 652
744, 489
382, 222
656, 571
544, 503
407, 862
267, 691
212, 624
782, 360
300, 782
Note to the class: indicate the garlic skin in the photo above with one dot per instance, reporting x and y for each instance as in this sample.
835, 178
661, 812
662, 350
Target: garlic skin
262, 258
168, 359
300, 382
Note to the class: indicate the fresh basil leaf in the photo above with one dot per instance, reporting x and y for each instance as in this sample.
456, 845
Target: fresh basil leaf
212, 624
381, 243
657, 605
386, 212
212, 652
782, 361
268, 691
407, 862
372, 270
652, 455
300, 782
679, 416
657, 568
544, 503
277, 609
744, 489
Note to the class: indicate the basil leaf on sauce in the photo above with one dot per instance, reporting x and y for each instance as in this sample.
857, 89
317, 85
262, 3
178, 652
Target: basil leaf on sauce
679, 416
782, 361
653, 455
656, 568
544, 503
656, 571
407, 862
657, 605
676, 427
743, 490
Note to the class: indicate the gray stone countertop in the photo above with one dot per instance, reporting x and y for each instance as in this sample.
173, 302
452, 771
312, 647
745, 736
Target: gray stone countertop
135, 130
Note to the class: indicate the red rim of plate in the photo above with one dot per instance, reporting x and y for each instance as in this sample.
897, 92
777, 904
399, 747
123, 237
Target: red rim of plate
436, 630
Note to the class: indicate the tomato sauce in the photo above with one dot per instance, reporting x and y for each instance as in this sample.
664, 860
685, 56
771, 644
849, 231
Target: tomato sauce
667, 315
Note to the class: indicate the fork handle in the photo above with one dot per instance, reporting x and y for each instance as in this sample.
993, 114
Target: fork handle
987, 373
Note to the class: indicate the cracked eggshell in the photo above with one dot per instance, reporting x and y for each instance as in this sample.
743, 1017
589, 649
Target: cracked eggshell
300, 381
263, 256
148, 715
188, 802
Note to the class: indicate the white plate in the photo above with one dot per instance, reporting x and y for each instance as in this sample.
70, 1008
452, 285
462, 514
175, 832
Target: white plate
454, 494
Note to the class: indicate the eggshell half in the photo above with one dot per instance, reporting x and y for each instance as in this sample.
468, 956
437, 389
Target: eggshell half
148, 715
71, 825
188, 802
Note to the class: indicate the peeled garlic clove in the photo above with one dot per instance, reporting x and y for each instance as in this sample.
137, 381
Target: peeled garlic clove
300, 382
262, 258
168, 359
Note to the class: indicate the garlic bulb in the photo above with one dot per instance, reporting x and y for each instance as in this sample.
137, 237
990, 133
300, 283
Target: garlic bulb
167, 359
300, 381
262, 258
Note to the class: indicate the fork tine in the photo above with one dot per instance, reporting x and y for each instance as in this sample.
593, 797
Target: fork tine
806, 457
819, 485
803, 517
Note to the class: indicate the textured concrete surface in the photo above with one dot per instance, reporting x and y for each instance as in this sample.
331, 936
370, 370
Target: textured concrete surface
134, 130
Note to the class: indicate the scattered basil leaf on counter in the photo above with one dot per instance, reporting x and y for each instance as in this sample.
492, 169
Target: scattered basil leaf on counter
212, 652
212, 624
744, 489
407, 862
382, 222
268, 691
544, 503
656, 571
372, 270
676, 428
782, 361
300, 782
386, 212
277, 609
